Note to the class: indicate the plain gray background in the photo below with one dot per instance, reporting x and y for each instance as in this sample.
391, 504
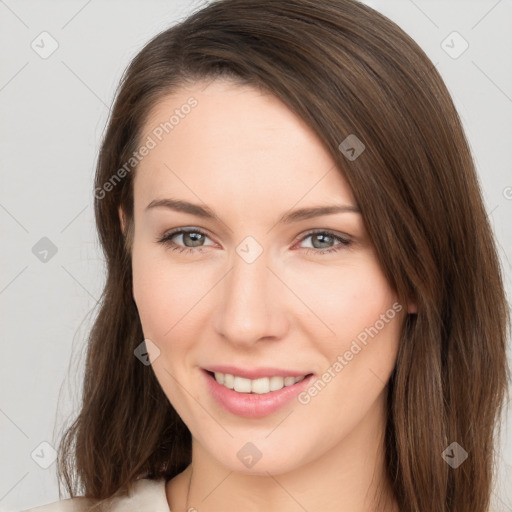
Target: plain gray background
53, 110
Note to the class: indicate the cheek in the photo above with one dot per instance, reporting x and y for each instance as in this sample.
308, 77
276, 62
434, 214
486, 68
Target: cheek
347, 298
366, 318
167, 295
149, 287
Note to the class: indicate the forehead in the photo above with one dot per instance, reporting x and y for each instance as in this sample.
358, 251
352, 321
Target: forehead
237, 142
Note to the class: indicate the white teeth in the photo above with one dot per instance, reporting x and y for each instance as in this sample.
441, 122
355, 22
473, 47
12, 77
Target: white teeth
276, 383
260, 386
229, 380
242, 385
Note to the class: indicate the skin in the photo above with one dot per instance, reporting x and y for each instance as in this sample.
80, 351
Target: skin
243, 153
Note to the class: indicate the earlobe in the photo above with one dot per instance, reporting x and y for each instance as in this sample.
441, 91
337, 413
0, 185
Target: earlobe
412, 308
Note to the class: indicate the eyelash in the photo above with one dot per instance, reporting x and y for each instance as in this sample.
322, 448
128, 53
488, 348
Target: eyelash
173, 246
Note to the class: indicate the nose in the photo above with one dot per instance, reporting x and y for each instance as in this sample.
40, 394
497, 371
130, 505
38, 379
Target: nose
251, 304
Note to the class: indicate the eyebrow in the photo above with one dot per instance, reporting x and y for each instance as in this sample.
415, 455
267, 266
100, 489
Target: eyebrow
293, 216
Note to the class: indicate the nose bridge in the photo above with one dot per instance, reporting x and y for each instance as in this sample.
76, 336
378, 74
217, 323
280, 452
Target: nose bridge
249, 308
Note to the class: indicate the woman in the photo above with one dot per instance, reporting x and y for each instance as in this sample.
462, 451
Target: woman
304, 307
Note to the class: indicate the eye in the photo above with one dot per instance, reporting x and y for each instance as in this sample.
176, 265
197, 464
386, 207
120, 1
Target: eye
195, 237
193, 240
321, 238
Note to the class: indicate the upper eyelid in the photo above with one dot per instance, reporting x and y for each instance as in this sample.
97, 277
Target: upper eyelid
180, 231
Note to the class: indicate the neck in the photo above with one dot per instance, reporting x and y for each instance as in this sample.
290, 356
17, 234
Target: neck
350, 476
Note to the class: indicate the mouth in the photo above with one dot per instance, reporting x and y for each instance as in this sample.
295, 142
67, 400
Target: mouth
260, 386
254, 398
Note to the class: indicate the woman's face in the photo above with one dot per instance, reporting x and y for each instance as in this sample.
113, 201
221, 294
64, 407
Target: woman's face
249, 290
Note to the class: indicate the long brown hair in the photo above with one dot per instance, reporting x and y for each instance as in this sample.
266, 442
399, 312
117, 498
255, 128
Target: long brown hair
345, 70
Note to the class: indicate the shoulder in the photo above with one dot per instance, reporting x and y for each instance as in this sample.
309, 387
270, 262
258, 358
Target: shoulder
144, 492
79, 504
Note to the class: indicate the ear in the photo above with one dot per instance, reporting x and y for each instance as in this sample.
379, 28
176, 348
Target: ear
122, 219
412, 306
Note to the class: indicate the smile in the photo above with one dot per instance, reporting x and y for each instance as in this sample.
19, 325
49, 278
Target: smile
254, 398
260, 386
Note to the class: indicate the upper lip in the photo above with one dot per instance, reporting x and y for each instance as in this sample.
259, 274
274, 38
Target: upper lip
256, 372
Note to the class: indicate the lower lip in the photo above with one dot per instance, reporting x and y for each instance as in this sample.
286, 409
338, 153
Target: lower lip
253, 405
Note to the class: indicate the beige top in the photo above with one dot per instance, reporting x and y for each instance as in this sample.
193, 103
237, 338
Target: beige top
146, 496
